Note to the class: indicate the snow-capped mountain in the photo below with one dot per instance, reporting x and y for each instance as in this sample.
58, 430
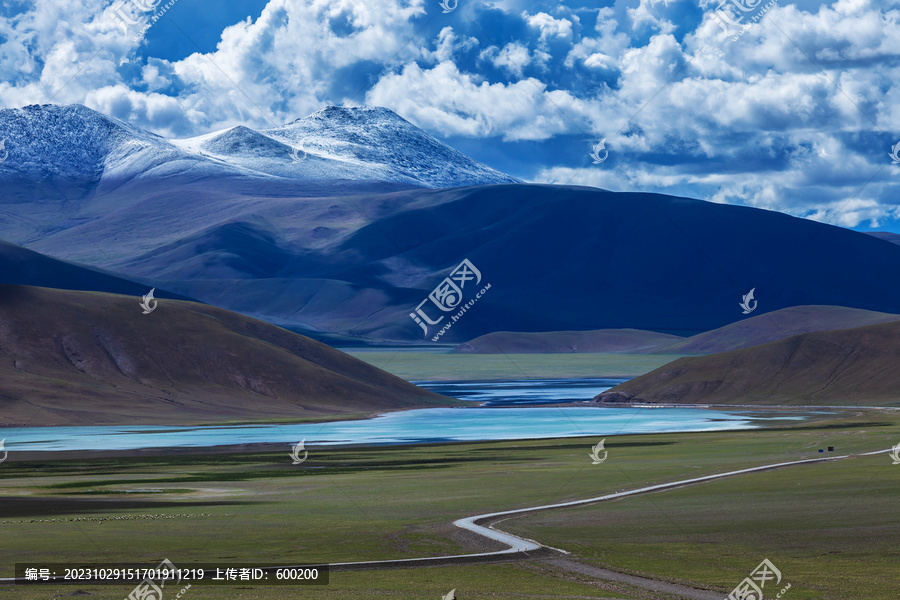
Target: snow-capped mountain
378, 139
60, 145
49, 141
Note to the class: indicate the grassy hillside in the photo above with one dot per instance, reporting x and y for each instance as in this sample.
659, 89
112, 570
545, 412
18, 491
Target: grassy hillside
70, 358
842, 367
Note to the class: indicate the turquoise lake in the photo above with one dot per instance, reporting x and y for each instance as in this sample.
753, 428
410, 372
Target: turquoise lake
504, 418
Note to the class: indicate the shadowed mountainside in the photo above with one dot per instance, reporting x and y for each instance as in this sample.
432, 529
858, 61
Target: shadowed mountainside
557, 258
840, 368
76, 358
20, 266
887, 236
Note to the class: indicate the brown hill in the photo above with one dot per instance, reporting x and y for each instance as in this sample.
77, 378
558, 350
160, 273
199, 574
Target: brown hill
752, 331
776, 325
75, 358
843, 367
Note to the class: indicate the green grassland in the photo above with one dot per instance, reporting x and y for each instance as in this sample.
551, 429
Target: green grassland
435, 366
831, 529
828, 527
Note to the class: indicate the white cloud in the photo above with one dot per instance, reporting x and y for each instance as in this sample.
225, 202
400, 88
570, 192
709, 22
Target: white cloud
448, 45
648, 14
550, 27
853, 212
603, 51
454, 103
513, 58
262, 72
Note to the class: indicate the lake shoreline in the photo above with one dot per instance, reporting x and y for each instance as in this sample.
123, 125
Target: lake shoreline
424, 426
269, 447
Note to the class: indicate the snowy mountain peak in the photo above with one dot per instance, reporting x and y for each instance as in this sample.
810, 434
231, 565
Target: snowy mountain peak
359, 144
70, 141
243, 141
379, 138
345, 114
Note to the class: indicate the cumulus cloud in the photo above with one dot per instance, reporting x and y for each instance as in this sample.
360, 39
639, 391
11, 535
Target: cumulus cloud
651, 14
512, 57
448, 45
549, 27
446, 100
262, 72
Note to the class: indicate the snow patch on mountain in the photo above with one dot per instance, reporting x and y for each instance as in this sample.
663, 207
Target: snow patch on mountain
380, 138
66, 141
364, 144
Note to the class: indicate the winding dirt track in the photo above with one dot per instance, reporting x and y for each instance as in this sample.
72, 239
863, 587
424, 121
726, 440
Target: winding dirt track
525, 549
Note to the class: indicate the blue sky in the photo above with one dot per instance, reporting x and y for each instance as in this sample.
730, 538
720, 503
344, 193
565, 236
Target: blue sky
797, 111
